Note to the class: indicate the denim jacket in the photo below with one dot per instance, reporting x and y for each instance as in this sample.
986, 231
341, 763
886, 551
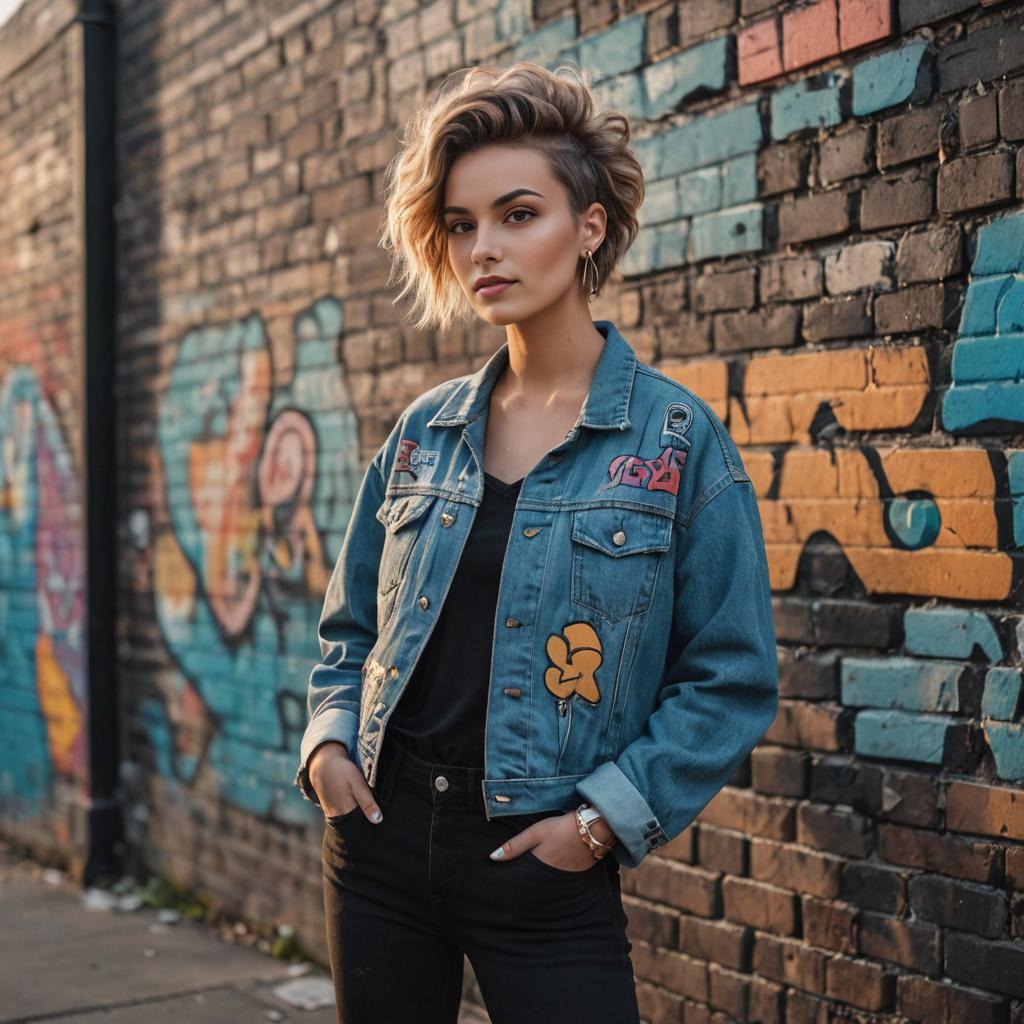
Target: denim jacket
633, 661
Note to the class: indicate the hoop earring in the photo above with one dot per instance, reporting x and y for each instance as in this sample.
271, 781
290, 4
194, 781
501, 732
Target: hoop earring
589, 262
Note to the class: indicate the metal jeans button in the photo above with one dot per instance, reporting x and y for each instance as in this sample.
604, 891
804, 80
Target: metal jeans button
441, 783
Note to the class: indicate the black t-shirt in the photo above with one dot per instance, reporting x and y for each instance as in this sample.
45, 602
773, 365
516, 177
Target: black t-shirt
441, 713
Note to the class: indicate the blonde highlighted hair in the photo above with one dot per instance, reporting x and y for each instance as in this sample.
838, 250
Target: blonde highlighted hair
525, 104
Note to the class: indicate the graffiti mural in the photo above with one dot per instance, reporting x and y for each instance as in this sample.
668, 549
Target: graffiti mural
259, 475
42, 641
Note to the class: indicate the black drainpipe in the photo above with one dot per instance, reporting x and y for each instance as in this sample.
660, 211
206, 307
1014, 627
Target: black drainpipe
103, 832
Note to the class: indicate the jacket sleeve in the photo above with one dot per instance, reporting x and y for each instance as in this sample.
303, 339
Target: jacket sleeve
719, 692
347, 628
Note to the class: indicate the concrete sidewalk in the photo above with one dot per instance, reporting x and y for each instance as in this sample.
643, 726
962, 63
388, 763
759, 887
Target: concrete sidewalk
62, 961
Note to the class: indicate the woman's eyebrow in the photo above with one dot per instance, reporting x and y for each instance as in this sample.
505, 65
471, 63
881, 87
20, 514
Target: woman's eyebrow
500, 201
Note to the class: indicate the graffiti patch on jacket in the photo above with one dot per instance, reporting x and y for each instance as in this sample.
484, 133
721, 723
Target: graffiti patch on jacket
411, 458
678, 417
662, 473
575, 655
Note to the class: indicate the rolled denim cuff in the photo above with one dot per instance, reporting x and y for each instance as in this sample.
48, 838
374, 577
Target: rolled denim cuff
627, 813
338, 724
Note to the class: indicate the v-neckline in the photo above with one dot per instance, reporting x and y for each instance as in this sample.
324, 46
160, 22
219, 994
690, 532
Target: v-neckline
504, 486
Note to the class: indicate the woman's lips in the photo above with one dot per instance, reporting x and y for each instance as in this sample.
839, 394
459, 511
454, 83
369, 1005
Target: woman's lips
494, 289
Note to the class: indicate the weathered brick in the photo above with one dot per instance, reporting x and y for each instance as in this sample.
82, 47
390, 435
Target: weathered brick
766, 907
860, 983
909, 136
742, 811
733, 290
723, 849
651, 922
978, 125
845, 154
720, 941
686, 888
859, 266
912, 944
985, 810
813, 216
974, 181
962, 905
764, 1002
983, 55
911, 309
1011, 110
897, 199
675, 971
874, 887
779, 771
838, 318
830, 924
772, 327
809, 676
699, 18
844, 832
914, 13
810, 34
759, 51
839, 780
782, 863
949, 855
782, 168
930, 255
995, 966
788, 279
912, 798
945, 1003
791, 962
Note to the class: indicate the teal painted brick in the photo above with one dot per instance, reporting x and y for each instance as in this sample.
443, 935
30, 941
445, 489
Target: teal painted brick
623, 93
709, 140
978, 359
670, 81
739, 180
617, 49
1006, 741
950, 633
547, 45
671, 247
725, 232
648, 153
982, 303
891, 78
511, 20
1010, 314
1015, 475
901, 735
971, 404
661, 202
1000, 246
809, 103
655, 247
700, 191
901, 683
1001, 696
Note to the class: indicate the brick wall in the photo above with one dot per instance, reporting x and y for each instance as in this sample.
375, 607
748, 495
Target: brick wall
43, 699
831, 254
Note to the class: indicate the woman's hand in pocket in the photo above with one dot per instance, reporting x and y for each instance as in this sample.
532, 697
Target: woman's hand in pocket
339, 784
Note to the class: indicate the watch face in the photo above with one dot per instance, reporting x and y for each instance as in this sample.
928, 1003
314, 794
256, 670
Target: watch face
589, 814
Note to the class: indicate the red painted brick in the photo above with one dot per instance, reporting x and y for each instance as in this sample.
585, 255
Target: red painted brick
758, 51
863, 21
809, 35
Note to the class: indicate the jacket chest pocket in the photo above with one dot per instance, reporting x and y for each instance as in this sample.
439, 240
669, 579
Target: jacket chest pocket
616, 553
403, 519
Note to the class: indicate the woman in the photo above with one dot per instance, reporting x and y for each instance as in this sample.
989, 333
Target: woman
553, 586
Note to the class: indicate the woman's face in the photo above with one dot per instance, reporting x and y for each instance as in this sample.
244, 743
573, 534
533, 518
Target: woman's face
508, 216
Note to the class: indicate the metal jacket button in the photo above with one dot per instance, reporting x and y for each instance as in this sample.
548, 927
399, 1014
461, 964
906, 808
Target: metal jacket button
618, 537
447, 519
511, 623
424, 602
440, 783
531, 531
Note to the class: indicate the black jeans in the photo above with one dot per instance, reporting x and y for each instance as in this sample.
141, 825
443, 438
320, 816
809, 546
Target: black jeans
405, 899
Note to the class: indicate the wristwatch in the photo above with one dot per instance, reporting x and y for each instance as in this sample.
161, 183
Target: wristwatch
589, 814
586, 814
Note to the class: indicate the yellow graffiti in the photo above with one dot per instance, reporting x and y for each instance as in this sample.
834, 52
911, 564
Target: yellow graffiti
60, 710
576, 656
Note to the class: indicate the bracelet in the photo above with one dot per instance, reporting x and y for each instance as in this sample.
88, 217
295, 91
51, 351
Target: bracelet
591, 840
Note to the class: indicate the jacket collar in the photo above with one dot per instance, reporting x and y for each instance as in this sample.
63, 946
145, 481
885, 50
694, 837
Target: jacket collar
606, 405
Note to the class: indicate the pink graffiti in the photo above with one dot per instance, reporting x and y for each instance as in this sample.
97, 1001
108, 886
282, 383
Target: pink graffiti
662, 473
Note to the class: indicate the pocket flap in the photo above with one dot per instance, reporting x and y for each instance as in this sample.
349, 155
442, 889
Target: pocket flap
622, 531
399, 512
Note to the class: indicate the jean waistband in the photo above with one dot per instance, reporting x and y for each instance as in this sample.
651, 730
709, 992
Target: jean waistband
453, 783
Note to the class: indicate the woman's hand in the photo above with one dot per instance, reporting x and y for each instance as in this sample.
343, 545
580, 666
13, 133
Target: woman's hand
555, 841
339, 784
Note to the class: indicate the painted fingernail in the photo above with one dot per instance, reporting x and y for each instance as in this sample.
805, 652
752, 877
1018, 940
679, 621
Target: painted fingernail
376, 816
498, 853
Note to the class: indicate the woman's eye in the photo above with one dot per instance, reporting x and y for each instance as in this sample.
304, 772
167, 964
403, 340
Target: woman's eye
452, 228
